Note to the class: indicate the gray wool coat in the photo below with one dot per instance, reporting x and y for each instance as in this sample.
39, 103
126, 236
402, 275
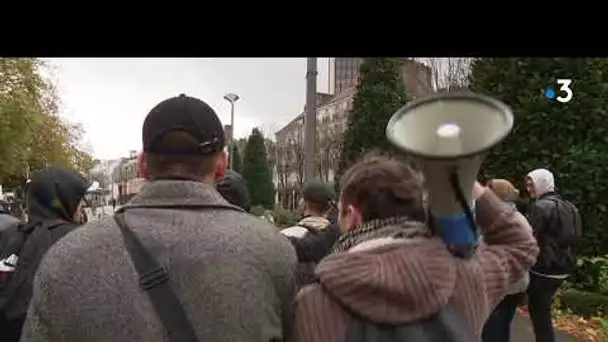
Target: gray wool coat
233, 273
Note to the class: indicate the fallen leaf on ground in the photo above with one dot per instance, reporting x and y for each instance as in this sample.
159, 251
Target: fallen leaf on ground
587, 330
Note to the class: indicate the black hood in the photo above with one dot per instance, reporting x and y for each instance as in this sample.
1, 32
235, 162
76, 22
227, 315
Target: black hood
54, 193
233, 188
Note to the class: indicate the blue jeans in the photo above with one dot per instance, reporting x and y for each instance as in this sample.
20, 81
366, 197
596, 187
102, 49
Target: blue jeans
498, 325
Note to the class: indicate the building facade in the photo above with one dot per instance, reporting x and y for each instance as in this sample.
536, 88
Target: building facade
332, 120
228, 133
416, 76
127, 180
346, 73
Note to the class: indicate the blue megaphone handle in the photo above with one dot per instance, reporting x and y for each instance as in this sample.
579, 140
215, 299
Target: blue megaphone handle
456, 229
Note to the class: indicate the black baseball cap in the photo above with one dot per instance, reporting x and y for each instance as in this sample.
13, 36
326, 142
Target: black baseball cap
183, 114
317, 192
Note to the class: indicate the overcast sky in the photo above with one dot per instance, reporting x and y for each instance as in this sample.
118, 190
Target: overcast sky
111, 96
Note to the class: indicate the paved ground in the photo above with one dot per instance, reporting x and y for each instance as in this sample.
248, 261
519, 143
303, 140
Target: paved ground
521, 331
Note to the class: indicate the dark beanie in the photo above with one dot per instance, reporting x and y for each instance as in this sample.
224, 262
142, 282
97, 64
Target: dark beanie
234, 189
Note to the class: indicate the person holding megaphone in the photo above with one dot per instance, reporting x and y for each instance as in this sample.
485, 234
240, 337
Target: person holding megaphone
389, 269
408, 266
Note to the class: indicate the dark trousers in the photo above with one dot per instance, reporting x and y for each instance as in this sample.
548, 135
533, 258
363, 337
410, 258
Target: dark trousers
541, 292
10, 330
498, 325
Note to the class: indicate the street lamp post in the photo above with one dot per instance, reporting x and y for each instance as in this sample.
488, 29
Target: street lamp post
232, 98
310, 119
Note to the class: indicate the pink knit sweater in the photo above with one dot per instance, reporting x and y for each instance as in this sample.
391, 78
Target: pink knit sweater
401, 281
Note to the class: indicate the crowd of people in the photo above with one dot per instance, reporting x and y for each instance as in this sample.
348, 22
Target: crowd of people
184, 260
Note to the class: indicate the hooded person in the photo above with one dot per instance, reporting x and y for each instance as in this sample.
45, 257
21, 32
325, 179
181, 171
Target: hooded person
233, 188
388, 269
557, 228
54, 201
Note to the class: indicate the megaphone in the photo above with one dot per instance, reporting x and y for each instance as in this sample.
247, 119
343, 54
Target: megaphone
448, 135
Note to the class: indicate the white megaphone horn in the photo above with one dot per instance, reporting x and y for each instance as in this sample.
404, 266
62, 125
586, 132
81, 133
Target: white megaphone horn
448, 135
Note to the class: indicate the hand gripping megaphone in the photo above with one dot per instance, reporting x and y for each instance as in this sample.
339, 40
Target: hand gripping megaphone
448, 135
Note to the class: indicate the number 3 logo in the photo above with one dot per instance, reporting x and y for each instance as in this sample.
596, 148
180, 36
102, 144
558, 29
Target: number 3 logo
565, 87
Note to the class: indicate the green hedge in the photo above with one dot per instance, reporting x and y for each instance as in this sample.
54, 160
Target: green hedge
282, 217
567, 138
591, 275
585, 292
285, 218
586, 304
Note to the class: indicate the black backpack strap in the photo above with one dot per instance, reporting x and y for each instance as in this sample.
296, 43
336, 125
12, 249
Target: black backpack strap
24, 230
154, 279
444, 326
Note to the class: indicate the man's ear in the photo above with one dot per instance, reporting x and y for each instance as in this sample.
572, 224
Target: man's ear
142, 166
355, 213
221, 164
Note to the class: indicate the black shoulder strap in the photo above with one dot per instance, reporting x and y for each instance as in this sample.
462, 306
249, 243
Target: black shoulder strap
24, 230
155, 280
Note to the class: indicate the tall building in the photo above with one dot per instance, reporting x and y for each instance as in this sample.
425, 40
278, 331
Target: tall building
416, 76
346, 73
332, 117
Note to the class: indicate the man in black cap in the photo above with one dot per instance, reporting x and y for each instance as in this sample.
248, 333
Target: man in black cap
224, 274
317, 201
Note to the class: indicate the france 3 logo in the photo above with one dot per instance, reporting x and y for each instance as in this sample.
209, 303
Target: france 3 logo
565, 92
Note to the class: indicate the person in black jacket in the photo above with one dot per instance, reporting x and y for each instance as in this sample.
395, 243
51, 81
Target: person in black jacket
314, 247
54, 202
557, 257
233, 188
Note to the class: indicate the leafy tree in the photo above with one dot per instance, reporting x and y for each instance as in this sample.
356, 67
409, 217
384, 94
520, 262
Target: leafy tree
32, 135
256, 171
236, 159
570, 139
380, 93
21, 89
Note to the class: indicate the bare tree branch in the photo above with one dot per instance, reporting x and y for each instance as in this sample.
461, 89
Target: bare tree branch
448, 74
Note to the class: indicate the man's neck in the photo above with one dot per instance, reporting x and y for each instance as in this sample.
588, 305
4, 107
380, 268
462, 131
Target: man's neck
308, 213
209, 179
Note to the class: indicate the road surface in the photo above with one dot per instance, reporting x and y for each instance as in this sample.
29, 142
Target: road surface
521, 331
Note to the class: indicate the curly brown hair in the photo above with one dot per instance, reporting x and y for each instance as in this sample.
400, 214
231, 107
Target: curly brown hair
383, 186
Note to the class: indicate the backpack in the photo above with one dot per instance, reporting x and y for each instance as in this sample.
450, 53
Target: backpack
9, 255
566, 219
42, 236
305, 271
444, 326
558, 244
